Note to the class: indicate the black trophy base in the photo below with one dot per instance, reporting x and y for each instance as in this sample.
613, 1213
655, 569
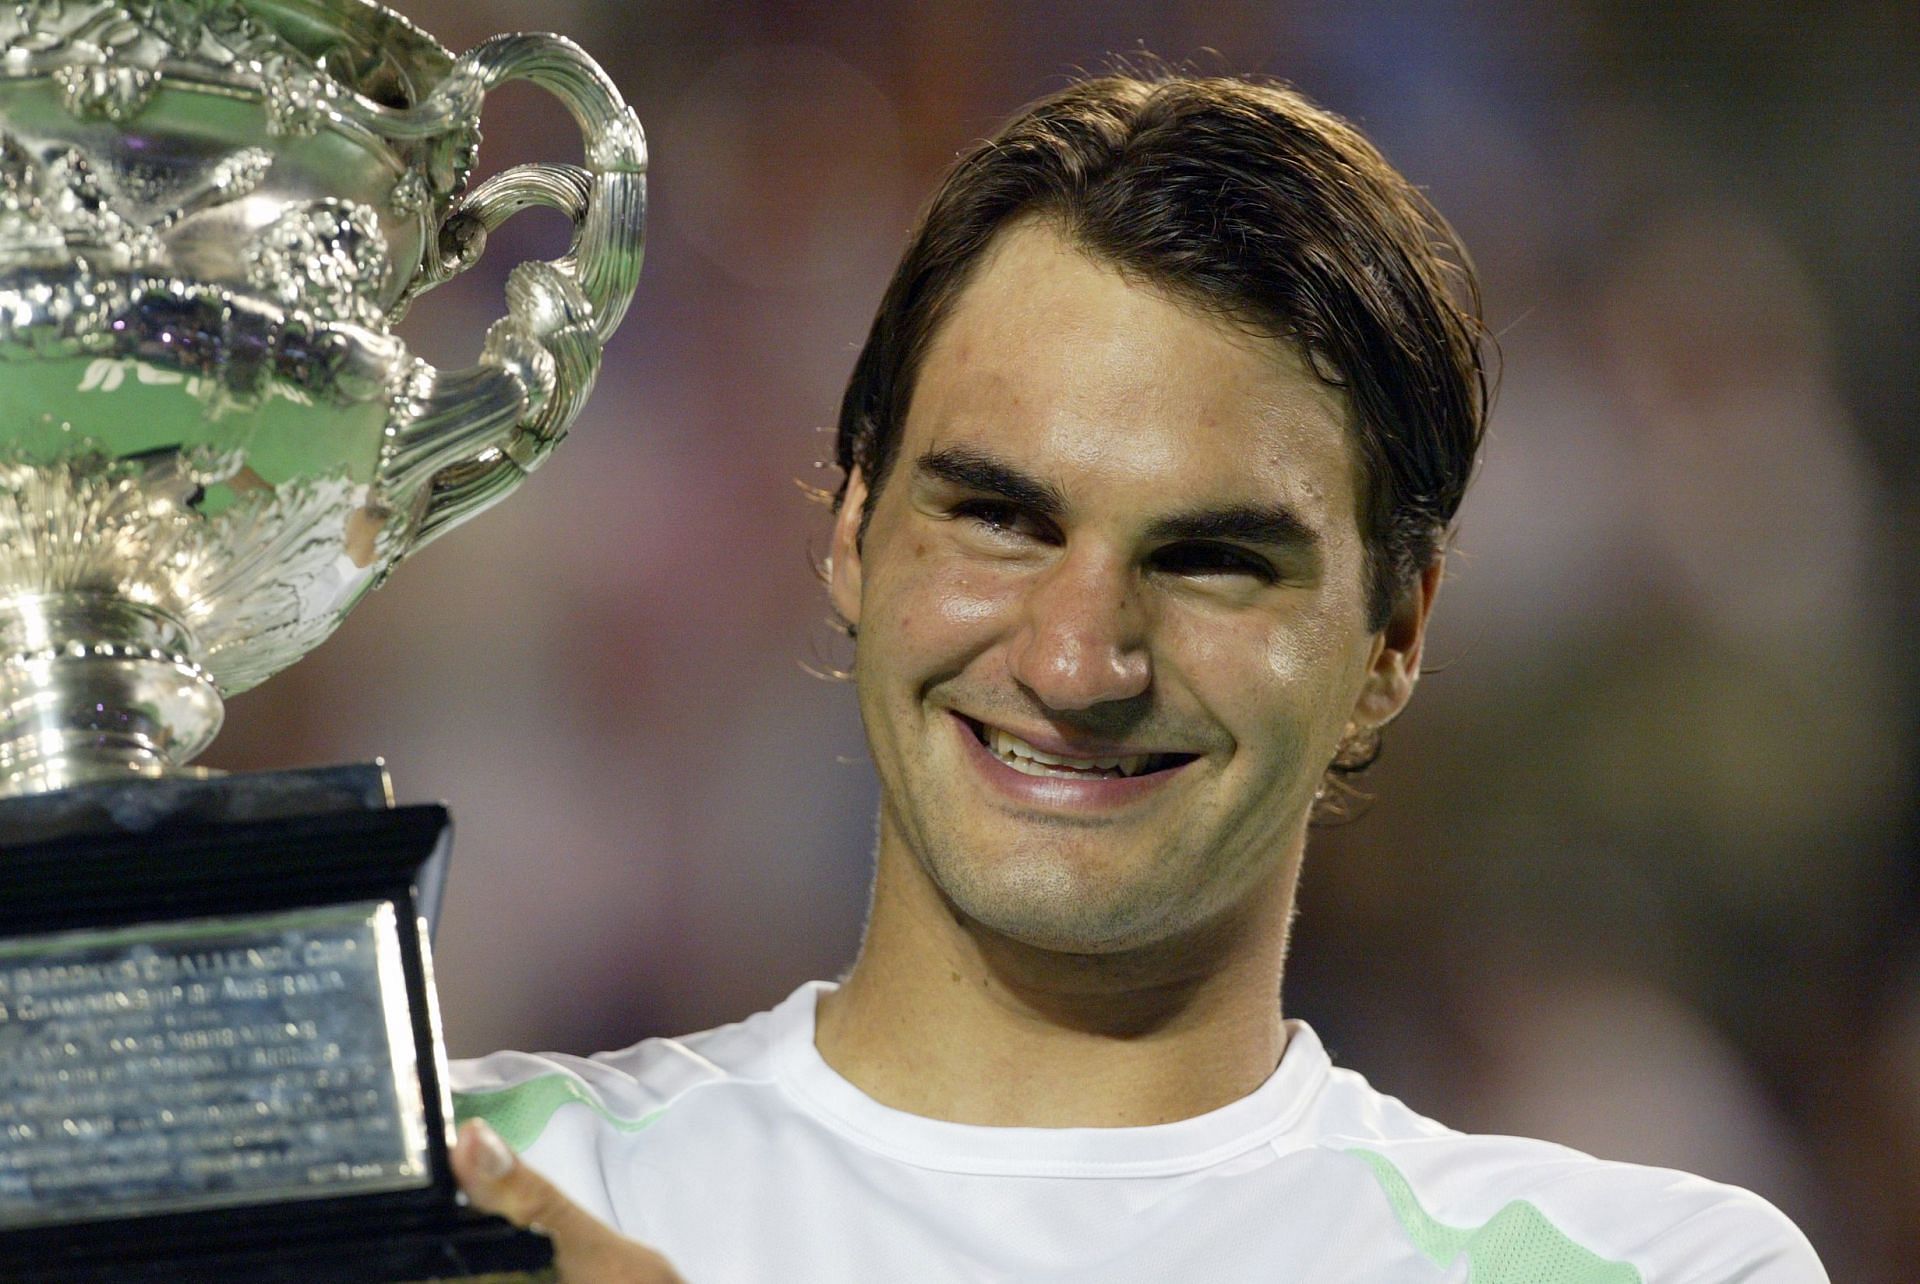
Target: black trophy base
219, 1060
363, 1248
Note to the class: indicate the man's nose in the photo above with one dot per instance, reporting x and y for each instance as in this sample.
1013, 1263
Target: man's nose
1083, 635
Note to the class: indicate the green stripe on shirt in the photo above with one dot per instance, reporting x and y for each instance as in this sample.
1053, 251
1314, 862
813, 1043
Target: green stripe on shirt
520, 1113
1517, 1245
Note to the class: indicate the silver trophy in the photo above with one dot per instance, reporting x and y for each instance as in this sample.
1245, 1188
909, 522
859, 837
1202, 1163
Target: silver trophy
216, 1021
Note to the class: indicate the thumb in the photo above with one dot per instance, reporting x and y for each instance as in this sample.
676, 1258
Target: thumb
585, 1249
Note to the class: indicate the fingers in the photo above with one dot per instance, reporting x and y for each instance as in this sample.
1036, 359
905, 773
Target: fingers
585, 1250
499, 1183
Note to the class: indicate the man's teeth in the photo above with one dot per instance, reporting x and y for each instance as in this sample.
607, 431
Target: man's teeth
1023, 757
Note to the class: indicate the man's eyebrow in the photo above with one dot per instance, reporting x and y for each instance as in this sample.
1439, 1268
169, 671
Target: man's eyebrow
976, 470
1240, 524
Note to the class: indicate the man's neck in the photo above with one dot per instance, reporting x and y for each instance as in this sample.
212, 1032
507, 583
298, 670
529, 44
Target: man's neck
944, 1018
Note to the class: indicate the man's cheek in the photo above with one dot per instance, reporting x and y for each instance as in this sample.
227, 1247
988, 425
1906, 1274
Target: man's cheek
959, 597
977, 606
1312, 671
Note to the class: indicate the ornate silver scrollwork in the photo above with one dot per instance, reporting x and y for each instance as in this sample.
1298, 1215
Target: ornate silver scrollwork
324, 258
215, 444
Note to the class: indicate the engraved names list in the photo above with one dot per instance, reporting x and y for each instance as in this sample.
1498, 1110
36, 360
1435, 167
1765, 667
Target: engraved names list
193, 1064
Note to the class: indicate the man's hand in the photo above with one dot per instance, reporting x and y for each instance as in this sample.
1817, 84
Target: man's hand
585, 1251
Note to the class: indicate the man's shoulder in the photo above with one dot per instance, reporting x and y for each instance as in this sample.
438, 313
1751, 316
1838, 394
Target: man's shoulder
1495, 1196
520, 1093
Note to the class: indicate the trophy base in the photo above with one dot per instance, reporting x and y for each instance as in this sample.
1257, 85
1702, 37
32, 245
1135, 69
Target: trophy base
220, 1055
350, 1248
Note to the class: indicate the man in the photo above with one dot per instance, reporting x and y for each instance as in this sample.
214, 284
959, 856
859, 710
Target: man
1150, 458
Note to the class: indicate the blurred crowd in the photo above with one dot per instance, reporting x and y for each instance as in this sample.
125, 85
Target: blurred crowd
1639, 870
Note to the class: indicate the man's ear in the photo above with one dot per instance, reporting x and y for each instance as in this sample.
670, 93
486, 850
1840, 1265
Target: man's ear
1395, 664
843, 560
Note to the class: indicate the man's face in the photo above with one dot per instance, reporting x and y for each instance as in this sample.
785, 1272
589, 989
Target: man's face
1111, 607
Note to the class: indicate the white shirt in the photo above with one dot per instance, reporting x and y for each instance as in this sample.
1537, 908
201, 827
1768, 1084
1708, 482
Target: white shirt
741, 1155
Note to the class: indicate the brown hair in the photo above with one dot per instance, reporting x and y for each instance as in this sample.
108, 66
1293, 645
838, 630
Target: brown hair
1247, 200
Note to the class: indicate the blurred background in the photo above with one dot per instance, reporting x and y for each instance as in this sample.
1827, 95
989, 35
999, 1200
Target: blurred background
1639, 874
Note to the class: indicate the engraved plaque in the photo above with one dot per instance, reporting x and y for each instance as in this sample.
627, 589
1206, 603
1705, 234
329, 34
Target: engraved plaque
206, 1062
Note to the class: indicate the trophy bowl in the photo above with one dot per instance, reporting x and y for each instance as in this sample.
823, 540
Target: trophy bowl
219, 1055
211, 215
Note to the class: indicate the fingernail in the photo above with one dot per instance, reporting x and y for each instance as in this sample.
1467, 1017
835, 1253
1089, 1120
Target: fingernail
493, 1158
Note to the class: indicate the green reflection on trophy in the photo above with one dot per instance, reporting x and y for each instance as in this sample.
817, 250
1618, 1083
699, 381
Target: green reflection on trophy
211, 216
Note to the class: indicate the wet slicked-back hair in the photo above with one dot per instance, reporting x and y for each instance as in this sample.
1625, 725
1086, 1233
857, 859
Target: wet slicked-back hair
1247, 201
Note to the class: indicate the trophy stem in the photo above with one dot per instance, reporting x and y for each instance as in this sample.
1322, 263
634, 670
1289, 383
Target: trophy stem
94, 687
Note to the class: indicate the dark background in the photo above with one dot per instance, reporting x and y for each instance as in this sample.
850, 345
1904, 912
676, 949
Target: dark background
1640, 871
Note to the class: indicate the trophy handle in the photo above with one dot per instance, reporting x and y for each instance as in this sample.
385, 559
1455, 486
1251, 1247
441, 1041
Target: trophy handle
474, 434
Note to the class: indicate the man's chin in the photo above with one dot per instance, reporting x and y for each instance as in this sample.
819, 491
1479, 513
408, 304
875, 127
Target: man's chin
1058, 906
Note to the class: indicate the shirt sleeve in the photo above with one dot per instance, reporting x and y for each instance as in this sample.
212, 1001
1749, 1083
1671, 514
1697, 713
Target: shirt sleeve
547, 1113
1741, 1239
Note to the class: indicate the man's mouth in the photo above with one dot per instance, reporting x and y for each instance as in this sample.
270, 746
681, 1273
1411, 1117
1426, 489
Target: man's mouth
1026, 759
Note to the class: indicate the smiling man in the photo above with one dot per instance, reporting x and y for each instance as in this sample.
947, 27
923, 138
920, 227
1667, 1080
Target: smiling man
1149, 463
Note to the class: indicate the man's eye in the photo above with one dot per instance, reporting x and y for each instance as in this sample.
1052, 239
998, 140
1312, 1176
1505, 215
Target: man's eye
1213, 559
998, 516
